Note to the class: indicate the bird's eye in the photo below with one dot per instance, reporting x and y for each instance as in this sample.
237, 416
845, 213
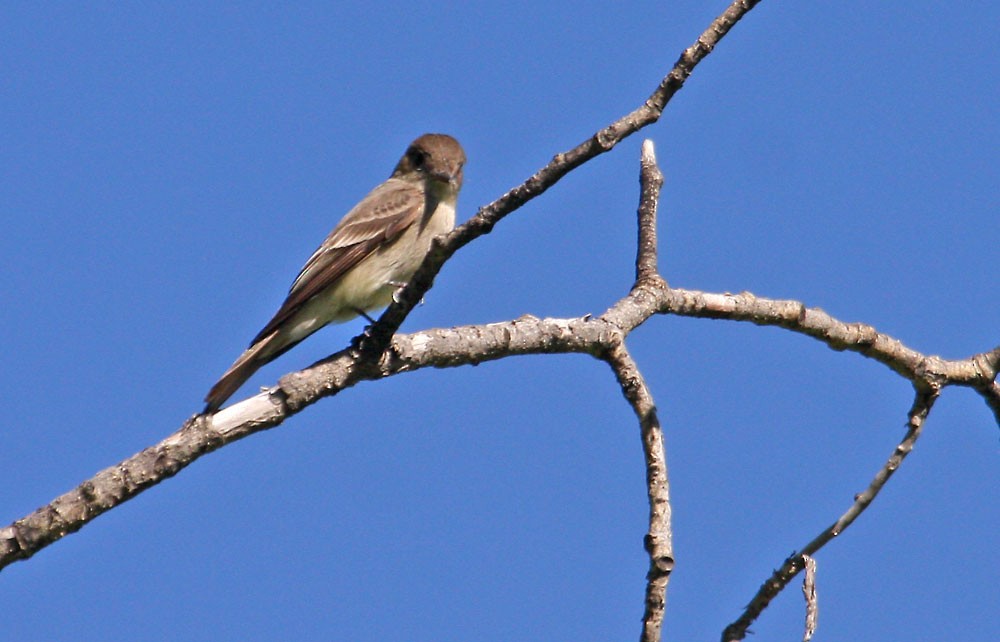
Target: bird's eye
417, 157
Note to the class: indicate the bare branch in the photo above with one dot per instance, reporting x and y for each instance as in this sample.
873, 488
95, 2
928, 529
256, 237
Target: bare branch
925, 371
381, 353
650, 180
108, 488
659, 539
560, 165
460, 346
790, 568
812, 601
203, 434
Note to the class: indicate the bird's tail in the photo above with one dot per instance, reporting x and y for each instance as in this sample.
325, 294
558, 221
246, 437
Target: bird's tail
249, 362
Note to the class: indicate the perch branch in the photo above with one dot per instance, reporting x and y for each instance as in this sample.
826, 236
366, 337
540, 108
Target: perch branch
461, 346
560, 165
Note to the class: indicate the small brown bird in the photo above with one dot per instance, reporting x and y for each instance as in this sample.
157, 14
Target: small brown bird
373, 251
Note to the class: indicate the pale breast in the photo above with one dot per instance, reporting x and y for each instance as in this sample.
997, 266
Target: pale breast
370, 285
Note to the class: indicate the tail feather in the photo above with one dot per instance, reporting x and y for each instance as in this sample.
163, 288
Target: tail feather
255, 357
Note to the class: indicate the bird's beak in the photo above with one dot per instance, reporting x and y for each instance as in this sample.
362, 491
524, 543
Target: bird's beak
449, 177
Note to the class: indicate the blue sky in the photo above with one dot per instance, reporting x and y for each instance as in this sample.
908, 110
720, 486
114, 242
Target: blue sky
166, 170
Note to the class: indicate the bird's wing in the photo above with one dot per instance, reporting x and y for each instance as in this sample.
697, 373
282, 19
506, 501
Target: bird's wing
377, 220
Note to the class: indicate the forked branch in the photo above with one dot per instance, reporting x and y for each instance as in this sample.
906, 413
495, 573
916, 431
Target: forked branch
790, 568
378, 355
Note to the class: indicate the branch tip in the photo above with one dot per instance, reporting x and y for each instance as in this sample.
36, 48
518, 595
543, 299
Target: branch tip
650, 182
648, 152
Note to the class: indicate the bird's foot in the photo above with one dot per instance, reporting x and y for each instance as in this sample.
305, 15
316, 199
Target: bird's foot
362, 313
361, 338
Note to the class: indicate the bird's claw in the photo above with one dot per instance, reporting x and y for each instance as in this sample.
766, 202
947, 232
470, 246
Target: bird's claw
399, 285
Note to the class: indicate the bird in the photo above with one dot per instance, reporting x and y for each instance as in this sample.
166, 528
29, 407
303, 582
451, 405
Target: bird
371, 253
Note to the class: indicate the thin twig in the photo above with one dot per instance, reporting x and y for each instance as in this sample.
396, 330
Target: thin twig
659, 538
790, 568
650, 180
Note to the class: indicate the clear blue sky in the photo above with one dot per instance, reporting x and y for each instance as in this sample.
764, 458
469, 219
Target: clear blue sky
165, 171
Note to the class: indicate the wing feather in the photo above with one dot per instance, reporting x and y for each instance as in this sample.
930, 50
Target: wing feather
388, 211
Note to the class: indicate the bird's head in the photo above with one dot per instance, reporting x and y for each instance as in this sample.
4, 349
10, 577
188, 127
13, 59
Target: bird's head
436, 157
